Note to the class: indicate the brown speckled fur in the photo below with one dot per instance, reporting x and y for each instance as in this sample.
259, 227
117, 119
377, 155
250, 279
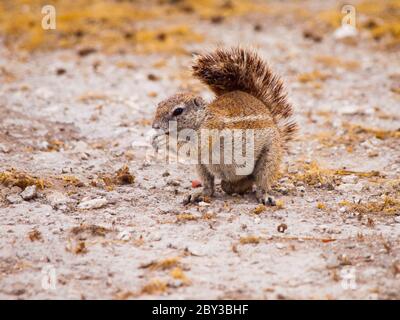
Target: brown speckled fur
248, 96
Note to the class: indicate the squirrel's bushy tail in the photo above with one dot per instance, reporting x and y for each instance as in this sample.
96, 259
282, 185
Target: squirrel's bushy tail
226, 70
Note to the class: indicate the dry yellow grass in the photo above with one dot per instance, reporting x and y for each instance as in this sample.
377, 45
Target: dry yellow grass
35, 235
312, 76
112, 25
259, 209
280, 204
122, 176
250, 240
20, 179
211, 8
91, 229
384, 18
178, 274
154, 286
208, 216
321, 206
353, 135
313, 174
183, 217
354, 130
388, 205
381, 18
171, 39
165, 264
76, 247
72, 181
334, 62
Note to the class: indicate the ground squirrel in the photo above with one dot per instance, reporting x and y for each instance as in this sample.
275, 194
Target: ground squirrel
248, 97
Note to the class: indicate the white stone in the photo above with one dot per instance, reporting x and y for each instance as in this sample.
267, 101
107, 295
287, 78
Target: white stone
14, 198
57, 199
292, 169
43, 145
93, 204
4, 148
80, 147
350, 179
44, 93
29, 193
15, 189
124, 235
198, 249
345, 31
322, 228
301, 189
351, 187
203, 204
358, 187
66, 170
349, 110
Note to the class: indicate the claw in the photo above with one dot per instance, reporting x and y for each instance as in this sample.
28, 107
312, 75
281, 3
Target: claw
265, 199
269, 201
196, 197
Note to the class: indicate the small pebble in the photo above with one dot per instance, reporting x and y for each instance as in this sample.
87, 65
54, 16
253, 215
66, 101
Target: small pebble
14, 198
4, 148
350, 179
292, 170
282, 227
203, 204
61, 71
124, 235
84, 156
173, 183
93, 204
29, 193
15, 189
165, 174
57, 199
345, 31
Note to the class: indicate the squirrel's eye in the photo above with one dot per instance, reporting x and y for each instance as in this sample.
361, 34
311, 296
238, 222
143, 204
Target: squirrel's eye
177, 112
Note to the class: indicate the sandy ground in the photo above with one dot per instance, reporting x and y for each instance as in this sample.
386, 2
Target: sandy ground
142, 242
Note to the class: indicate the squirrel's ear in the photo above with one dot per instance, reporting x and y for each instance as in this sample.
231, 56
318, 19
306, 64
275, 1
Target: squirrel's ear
198, 101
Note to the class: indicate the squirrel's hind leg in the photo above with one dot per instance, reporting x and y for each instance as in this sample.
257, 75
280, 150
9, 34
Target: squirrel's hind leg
266, 171
240, 187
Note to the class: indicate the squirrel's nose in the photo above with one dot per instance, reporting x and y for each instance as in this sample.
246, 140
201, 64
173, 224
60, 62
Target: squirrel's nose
156, 126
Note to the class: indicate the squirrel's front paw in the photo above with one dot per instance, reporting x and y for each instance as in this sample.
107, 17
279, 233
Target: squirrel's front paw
158, 140
196, 197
